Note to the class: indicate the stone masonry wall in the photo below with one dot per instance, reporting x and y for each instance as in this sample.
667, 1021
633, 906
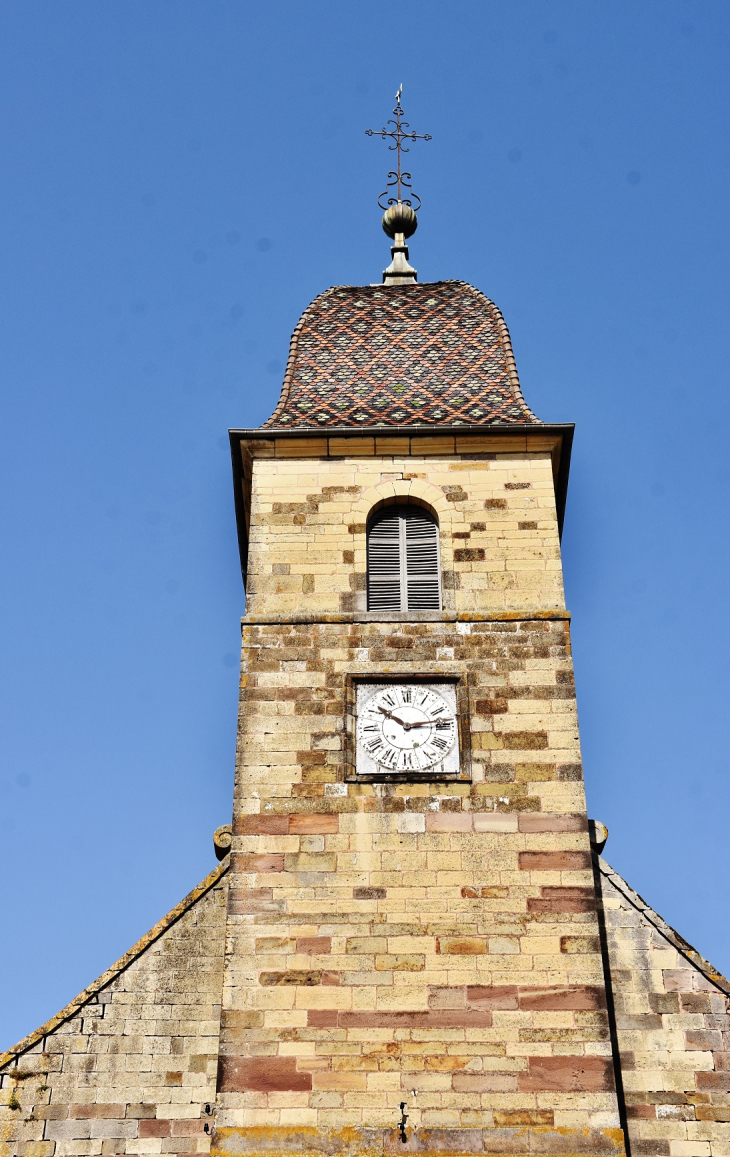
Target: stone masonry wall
499, 534
433, 944
130, 1065
673, 1031
431, 937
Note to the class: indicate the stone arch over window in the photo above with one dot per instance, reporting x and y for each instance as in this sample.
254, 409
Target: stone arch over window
415, 490
403, 556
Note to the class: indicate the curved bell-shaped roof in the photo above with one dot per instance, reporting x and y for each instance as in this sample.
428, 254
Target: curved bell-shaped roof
435, 354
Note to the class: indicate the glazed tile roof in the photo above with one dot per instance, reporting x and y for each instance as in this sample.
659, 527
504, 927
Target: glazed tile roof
400, 355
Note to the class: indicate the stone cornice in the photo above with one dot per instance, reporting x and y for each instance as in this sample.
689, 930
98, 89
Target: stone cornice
404, 617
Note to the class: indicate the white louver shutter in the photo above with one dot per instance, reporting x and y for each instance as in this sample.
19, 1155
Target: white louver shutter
404, 570
422, 561
384, 569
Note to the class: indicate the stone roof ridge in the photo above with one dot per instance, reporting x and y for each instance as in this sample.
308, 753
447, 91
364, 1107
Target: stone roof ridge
673, 937
120, 966
476, 383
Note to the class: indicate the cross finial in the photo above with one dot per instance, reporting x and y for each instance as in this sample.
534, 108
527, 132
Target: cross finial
399, 218
399, 180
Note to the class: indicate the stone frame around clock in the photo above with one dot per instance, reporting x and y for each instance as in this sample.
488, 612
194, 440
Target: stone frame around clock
456, 680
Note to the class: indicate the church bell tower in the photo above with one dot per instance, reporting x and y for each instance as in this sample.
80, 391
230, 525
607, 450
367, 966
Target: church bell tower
413, 959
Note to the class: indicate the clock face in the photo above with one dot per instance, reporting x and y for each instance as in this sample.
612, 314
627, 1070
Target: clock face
407, 727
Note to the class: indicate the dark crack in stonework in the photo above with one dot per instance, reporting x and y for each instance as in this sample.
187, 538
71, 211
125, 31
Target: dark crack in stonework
401, 355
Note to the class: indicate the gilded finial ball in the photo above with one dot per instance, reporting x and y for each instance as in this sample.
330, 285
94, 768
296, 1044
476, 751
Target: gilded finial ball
400, 218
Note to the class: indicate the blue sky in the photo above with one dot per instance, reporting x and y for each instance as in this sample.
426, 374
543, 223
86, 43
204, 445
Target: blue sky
179, 179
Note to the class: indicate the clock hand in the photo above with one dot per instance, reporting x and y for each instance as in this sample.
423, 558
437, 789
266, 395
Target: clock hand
402, 723
395, 718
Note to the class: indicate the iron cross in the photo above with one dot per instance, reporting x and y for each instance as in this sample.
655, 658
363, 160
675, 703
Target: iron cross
401, 179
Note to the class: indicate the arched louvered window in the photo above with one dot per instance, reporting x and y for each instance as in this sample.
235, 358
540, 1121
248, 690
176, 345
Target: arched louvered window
404, 567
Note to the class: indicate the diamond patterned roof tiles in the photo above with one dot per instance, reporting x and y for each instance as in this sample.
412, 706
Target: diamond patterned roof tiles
401, 355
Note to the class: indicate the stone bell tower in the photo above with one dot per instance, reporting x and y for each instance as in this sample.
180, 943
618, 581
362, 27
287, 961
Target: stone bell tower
413, 959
